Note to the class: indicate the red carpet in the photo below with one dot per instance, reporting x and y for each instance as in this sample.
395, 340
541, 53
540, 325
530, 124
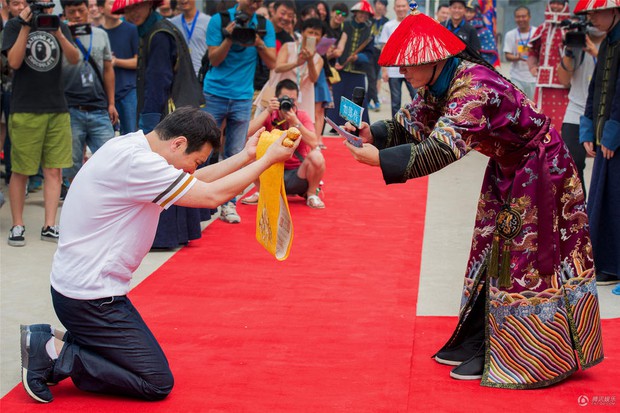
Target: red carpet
329, 330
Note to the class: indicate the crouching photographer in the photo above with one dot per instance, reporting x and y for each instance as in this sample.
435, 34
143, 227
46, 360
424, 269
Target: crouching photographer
39, 119
89, 86
305, 169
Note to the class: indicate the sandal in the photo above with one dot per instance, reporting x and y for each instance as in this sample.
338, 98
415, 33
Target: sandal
251, 200
315, 202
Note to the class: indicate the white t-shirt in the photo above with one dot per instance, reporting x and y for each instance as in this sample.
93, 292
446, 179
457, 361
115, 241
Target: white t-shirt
195, 34
513, 43
579, 83
110, 217
386, 32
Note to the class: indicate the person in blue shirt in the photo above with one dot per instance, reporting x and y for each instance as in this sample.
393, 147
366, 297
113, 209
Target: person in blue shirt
124, 43
229, 84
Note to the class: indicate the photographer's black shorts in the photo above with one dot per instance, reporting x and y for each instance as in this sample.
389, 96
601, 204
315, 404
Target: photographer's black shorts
293, 184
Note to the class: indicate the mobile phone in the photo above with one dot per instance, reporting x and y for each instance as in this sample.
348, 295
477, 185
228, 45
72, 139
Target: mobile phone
80, 29
310, 44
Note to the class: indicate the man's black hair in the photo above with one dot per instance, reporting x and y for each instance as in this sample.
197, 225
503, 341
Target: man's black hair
446, 5
523, 8
313, 23
340, 6
196, 125
101, 3
67, 3
287, 84
286, 3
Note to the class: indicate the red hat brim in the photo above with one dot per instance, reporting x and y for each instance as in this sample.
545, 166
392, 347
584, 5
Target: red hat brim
584, 6
419, 40
119, 6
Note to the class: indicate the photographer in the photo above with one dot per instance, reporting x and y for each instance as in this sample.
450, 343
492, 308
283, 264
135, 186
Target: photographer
39, 120
305, 169
575, 71
89, 86
234, 51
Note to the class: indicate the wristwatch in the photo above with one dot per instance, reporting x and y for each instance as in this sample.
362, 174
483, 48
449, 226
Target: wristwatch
298, 125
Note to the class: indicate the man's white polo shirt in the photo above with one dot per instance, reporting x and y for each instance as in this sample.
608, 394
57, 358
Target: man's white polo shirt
110, 216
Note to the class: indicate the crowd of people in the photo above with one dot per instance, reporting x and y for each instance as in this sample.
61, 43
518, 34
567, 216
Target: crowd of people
133, 67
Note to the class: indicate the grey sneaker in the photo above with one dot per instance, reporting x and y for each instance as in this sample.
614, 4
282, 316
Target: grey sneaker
228, 213
16, 236
49, 233
36, 365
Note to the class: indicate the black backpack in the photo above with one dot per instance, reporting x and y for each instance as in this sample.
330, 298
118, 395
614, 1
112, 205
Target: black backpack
205, 63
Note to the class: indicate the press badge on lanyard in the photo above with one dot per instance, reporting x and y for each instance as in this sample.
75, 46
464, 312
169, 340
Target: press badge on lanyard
86, 71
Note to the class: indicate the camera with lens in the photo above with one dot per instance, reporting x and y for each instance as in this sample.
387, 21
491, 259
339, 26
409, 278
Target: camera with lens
41, 20
286, 103
242, 33
575, 36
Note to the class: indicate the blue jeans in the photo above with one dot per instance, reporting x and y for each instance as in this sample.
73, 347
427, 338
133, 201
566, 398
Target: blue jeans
237, 114
127, 108
87, 128
396, 86
111, 349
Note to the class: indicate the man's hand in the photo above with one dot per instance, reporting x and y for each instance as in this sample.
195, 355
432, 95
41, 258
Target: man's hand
277, 152
367, 154
364, 131
590, 48
589, 147
250, 145
607, 153
291, 118
113, 114
274, 104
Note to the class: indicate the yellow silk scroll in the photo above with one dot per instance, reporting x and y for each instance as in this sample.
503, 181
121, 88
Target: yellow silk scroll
274, 227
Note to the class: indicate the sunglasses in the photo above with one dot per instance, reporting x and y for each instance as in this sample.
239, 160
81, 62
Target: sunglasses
341, 13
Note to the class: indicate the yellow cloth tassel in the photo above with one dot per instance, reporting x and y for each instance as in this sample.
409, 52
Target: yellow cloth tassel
493, 266
504, 274
274, 227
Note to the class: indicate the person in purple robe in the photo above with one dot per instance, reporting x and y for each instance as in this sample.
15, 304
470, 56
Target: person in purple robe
529, 314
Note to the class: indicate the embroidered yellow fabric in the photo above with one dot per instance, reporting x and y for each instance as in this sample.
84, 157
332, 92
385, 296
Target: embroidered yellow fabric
274, 227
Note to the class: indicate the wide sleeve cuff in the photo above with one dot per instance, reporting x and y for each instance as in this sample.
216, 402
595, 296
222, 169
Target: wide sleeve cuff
611, 135
586, 129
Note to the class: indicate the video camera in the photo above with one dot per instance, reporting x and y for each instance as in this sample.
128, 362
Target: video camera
242, 33
41, 20
286, 103
575, 36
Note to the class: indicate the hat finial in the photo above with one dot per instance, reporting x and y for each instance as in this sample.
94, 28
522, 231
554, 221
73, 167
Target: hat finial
414, 7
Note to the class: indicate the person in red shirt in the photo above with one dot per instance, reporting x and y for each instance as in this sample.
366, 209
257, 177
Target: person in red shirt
305, 169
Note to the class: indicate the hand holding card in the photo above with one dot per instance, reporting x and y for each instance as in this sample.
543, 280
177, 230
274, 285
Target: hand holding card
352, 139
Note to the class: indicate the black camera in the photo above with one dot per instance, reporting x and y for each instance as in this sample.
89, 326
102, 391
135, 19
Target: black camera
41, 20
575, 36
242, 33
286, 103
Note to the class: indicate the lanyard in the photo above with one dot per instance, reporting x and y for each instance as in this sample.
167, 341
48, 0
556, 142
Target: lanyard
83, 49
529, 35
189, 32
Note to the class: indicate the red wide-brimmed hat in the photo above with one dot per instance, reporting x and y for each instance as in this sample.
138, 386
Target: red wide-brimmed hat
363, 6
419, 40
119, 5
584, 6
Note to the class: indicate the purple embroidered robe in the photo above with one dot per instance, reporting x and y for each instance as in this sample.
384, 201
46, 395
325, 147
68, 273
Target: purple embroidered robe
550, 312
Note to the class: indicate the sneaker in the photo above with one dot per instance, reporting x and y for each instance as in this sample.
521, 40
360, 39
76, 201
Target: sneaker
37, 366
16, 236
250, 200
228, 213
472, 368
49, 233
377, 107
45, 328
606, 279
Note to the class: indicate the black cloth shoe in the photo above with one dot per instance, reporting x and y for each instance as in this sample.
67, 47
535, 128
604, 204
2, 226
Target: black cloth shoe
606, 279
460, 353
37, 366
472, 368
